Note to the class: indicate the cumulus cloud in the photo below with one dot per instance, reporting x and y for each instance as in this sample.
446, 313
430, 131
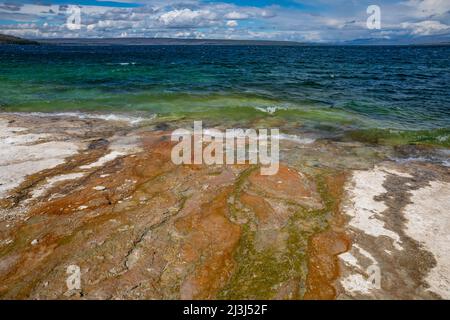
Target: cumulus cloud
232, 23
426, 28
188, 18
429, 8
234, 15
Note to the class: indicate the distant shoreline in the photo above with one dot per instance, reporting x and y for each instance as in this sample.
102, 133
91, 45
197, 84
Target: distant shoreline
165, 41
140, 41
7, 39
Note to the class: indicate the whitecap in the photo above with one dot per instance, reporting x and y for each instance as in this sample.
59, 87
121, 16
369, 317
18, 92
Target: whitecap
271, 109
297, 138
133, 120
122, 63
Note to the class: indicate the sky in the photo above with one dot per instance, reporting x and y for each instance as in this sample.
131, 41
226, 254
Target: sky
319, 21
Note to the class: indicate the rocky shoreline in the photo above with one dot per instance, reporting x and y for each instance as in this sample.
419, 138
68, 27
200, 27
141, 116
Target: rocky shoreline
103, 195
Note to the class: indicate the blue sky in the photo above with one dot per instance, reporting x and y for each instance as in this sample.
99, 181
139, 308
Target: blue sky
320, 21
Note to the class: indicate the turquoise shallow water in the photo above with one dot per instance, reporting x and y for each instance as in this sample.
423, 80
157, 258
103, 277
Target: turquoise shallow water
357, 88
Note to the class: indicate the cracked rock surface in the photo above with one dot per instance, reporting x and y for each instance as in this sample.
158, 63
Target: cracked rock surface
112, 203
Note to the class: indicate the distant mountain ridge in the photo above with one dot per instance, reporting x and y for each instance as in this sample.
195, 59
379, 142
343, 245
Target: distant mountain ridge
443, 39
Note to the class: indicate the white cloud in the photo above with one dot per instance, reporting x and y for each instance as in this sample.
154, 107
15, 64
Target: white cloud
267, 14
232, 23
190, 34
427, 8
426, 28
234, 15
187, 18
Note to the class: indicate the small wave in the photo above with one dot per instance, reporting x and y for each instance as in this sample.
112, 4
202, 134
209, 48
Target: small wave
122, 63
296, 138
81, 115
271, 109
116, 117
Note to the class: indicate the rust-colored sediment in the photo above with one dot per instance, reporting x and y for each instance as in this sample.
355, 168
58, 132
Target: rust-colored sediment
159, 231
212, 236
323, 248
